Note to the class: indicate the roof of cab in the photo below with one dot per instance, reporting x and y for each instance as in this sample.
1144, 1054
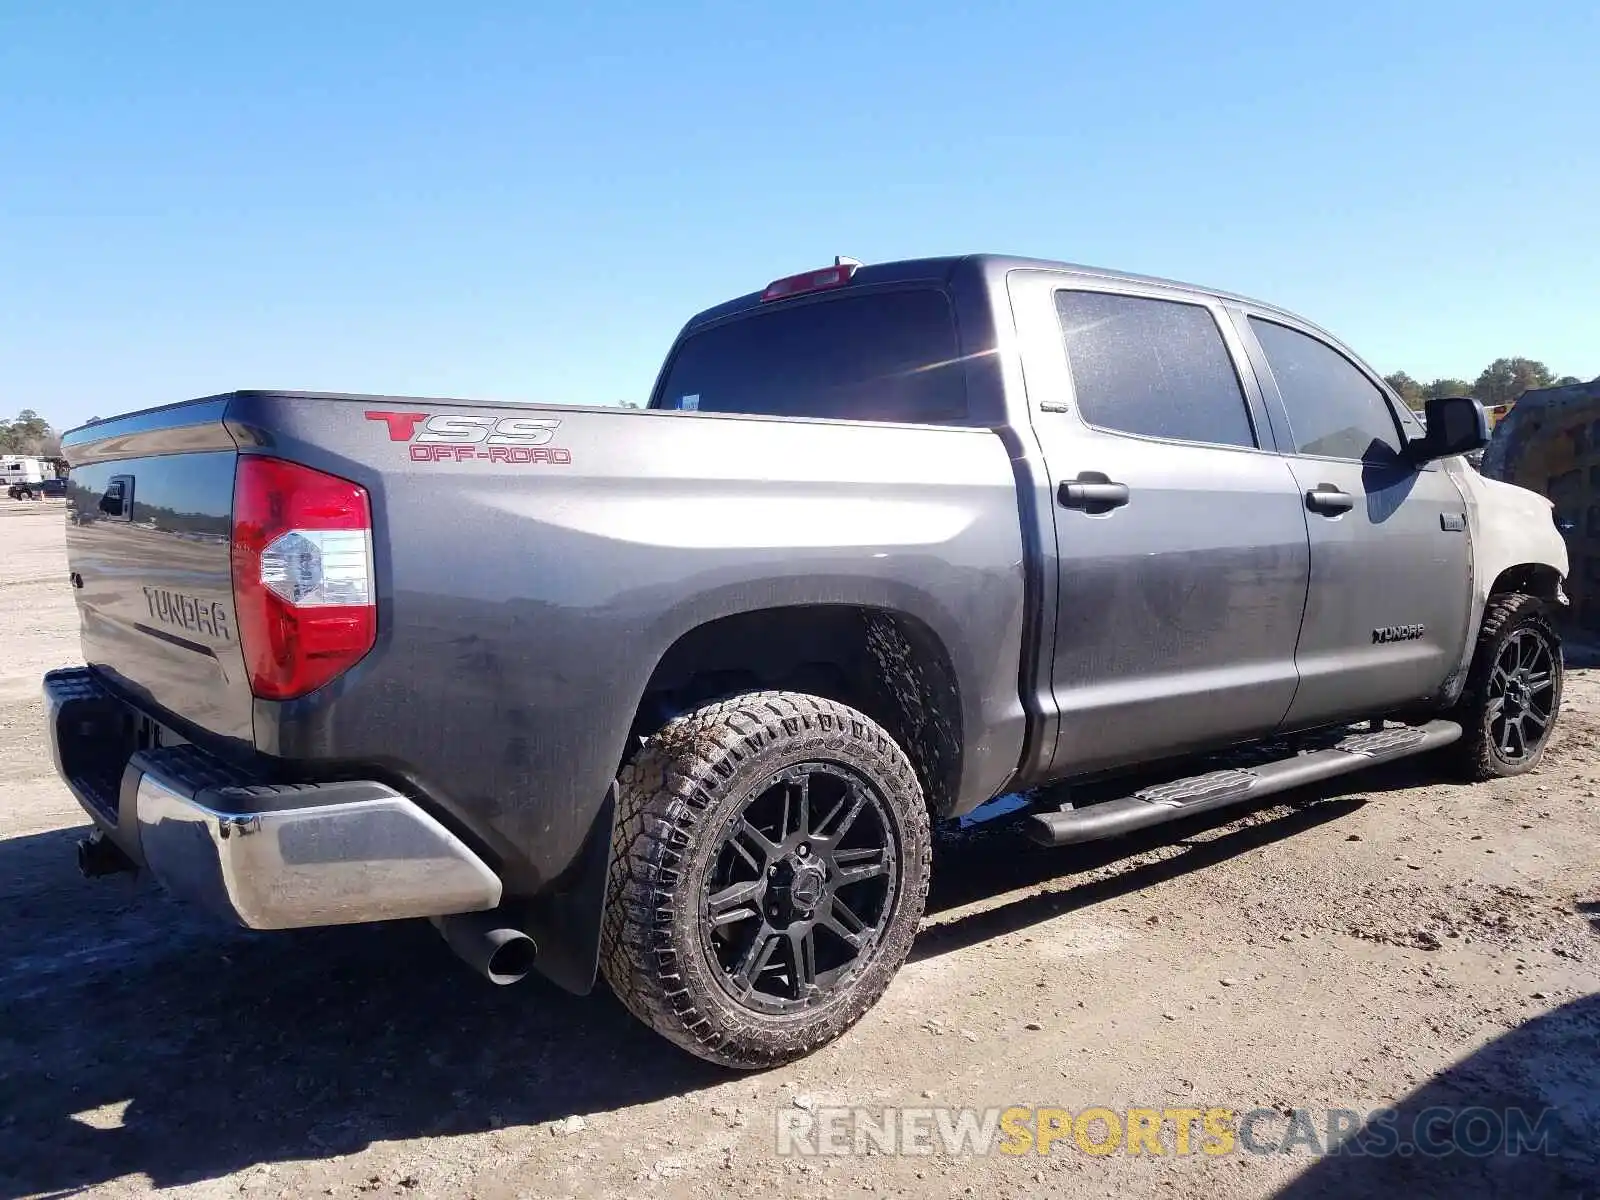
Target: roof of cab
939, 270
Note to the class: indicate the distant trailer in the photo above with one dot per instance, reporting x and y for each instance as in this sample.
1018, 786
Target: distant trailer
23, 469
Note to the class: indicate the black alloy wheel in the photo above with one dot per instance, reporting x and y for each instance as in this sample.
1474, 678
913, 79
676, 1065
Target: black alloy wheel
1521, 695
801, 888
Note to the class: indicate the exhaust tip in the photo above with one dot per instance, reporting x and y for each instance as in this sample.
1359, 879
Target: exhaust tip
485, 942
512, 960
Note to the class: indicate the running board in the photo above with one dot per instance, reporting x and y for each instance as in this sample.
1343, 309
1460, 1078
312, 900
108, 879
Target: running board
1217, 789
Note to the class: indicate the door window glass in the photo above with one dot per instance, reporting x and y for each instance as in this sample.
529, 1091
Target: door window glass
1158, 368
1334, 410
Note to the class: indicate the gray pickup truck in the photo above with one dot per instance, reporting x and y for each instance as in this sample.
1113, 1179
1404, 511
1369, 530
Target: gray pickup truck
675, 694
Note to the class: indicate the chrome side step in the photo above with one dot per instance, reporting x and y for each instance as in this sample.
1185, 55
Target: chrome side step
1217, 789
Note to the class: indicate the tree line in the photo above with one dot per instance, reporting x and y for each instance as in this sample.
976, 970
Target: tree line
29, 433
1501, 382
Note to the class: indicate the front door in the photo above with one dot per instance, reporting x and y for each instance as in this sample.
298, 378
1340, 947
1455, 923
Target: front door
1388, 603
1181, 548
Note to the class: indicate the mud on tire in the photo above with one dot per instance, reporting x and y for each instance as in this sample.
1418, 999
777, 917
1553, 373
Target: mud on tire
700, 874
1513, 691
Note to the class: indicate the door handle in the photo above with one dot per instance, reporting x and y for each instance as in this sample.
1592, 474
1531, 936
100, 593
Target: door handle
1329, 500
1092, 496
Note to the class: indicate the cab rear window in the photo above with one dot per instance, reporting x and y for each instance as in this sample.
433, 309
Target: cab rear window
881, 356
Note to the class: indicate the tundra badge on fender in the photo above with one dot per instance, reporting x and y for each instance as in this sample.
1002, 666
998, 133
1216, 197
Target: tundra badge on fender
1398, 633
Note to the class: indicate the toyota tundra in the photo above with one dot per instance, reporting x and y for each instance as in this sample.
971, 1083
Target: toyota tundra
675, 695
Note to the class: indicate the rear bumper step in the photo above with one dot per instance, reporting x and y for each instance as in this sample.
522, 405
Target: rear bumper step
1218, 789
265, 855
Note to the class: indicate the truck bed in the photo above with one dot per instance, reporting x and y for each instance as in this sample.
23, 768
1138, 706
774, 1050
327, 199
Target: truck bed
533, 566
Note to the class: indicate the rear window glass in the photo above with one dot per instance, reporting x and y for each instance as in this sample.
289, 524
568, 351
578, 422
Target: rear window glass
1156, 368
888, 356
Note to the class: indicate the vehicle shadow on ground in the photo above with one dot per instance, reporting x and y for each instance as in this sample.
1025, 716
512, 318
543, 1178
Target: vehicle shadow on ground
229, 1049
138, 1036
1546, 1069
971, 865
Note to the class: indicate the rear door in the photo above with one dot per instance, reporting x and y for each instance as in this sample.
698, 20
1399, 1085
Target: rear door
1180, 542
1390, 590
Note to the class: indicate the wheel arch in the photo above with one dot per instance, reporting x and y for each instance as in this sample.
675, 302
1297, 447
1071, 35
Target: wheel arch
887, 663
1537, 579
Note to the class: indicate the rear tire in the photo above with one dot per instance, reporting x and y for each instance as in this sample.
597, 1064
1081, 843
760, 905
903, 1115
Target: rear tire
769, 871
1513, 692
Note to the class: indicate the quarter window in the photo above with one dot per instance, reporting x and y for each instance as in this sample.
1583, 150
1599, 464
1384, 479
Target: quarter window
1334, 410
1158, 368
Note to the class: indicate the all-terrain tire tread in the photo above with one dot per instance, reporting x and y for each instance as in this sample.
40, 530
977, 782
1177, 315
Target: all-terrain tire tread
664, 794
1474, 755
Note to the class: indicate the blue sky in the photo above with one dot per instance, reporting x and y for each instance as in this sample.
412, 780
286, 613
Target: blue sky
524, 201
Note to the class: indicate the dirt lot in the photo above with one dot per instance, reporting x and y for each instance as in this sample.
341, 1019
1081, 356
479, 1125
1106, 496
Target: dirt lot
1388, 941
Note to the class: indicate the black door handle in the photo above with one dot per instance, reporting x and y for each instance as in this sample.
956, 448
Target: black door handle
1329, 500
1092, 496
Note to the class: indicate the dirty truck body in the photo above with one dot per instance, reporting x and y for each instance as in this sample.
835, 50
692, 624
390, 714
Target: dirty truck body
681, 689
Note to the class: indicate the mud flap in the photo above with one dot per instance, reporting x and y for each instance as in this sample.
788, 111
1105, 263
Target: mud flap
565, 925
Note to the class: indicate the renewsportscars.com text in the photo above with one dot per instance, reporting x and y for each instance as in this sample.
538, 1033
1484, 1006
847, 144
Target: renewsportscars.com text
1213, 1131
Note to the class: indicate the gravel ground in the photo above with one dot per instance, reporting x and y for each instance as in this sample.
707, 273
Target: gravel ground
1387, 941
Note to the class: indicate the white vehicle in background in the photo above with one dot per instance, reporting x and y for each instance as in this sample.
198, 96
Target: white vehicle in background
23, 476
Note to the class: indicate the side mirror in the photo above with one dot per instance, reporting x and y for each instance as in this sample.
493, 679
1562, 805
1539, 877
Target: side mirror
1455, 425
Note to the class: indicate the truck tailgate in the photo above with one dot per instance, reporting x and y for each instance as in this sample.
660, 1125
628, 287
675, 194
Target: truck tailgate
149, 502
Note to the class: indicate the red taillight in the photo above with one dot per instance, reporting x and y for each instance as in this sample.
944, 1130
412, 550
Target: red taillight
811, 281
302, 575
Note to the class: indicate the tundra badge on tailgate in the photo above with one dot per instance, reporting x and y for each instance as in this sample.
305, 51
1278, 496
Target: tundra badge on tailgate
187, 612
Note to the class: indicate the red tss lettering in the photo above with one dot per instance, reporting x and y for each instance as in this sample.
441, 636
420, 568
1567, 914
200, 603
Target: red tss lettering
453, 437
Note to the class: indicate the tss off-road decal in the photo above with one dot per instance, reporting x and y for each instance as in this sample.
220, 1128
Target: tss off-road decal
454, 437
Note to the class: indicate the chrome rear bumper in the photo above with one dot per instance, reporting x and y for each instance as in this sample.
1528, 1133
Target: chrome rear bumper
267, 856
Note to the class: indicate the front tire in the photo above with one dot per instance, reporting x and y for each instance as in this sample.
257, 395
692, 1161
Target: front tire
1513, 692
769, 871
